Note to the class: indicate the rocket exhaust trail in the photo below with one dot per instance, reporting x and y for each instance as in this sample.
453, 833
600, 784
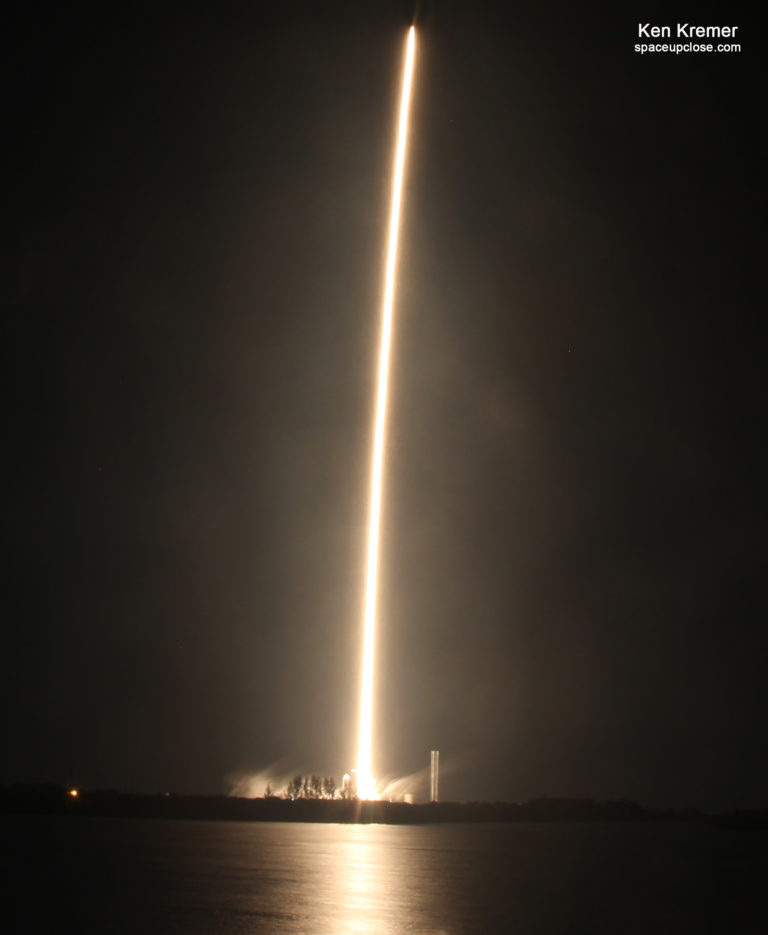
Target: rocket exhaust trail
365, 783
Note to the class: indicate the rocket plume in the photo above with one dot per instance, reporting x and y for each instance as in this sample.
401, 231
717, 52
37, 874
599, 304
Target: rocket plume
365, 782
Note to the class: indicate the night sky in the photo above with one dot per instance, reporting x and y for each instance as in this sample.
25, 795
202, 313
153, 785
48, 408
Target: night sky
573, 591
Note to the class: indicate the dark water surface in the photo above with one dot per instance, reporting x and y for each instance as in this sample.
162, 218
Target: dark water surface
99, 875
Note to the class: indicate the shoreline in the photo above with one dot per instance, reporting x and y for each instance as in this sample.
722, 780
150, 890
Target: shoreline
53, 800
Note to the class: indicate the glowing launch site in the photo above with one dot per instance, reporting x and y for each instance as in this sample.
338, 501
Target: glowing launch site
366, 785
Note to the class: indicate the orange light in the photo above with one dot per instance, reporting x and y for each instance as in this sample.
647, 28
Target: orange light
74, 793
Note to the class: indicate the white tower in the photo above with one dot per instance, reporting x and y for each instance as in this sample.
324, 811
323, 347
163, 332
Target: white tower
434, 775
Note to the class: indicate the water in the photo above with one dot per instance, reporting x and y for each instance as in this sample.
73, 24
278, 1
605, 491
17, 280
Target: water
115, 876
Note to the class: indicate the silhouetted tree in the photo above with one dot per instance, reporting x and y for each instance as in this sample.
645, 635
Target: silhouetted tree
315, 786
268, 793
295, 787
329, 787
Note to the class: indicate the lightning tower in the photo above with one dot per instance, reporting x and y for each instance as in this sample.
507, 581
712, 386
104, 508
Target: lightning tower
434, 775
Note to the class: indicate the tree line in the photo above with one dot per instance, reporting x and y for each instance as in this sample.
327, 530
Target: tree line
310, 787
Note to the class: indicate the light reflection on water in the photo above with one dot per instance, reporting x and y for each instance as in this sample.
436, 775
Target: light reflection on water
352, 880
218, 878
373, 888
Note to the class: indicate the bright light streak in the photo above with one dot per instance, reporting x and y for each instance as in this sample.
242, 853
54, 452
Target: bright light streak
365, 783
